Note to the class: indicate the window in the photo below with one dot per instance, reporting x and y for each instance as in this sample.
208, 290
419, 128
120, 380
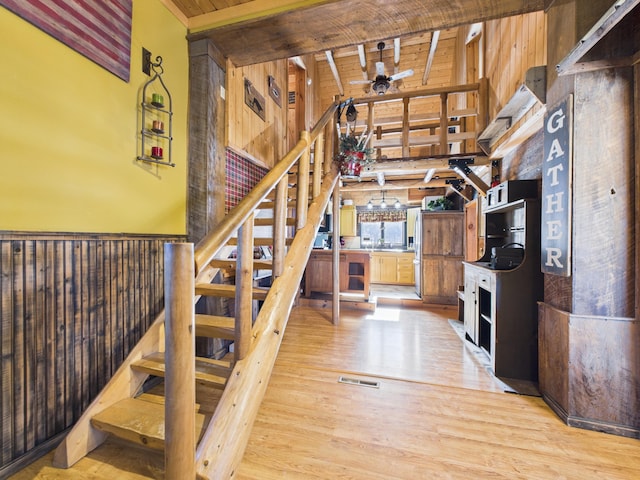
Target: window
382, 228
382, 234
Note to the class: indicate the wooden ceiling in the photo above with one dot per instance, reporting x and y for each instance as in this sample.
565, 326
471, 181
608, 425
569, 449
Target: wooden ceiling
255, 31
345, 33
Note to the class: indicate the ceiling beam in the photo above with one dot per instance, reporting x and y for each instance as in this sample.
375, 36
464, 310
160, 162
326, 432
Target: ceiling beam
266, 30
247, 12
395, 185
334, 70
432, 53
461, 167
418, 164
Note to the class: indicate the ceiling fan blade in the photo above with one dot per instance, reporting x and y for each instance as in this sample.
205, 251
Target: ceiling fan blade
379, 69
358, 82
399, 75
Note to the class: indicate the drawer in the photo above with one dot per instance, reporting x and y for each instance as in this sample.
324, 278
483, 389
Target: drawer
484, 280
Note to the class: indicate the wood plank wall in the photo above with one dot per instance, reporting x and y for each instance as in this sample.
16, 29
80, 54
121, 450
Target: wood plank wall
513, 45
260, 140
71, 308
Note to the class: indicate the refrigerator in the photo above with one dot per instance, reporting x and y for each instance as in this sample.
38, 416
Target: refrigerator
417, 259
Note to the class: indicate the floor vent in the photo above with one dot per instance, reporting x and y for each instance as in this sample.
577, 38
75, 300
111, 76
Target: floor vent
362, 383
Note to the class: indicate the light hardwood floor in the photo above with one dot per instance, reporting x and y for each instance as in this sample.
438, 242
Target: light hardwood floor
436, 414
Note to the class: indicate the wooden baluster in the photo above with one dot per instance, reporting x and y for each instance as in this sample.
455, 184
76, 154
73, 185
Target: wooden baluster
244, 290
179, 382
444, 124
280, 227
329, 142
318, 156
302, 199
405, 128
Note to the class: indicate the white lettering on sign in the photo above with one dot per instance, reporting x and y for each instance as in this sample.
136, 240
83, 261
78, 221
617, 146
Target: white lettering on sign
554, 231
556, 190
553, 257
556, 151
555, 121
554, 202
553, 171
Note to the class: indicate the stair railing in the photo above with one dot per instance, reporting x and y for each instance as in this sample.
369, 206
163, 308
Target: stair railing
256, 348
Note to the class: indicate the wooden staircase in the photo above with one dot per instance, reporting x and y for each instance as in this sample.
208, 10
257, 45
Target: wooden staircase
151, 399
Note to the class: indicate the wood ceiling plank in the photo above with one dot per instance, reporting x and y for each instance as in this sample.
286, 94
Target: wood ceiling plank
266, 30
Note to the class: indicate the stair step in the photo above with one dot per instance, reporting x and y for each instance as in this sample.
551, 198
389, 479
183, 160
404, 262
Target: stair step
268, 204
214, 326
268, 222
230, 264
208, 371
259, 242
228, 291
140, 422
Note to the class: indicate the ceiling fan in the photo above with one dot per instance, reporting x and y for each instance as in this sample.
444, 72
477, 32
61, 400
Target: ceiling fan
382, 83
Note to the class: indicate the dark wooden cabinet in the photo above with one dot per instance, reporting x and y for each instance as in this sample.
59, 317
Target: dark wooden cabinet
500, 306
442, 254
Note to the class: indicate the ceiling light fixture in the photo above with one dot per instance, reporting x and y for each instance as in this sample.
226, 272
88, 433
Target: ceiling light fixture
383, 202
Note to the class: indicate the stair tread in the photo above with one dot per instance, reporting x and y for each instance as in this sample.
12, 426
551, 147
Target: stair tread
259, 241
214, 326
228, 291
230, 264
140, 422
208, 371
267, 222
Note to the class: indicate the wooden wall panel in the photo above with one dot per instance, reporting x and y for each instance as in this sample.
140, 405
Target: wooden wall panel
71, 308
261, 140
513, 45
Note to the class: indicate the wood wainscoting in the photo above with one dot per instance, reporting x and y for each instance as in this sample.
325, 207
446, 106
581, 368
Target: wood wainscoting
71, 308
586, 375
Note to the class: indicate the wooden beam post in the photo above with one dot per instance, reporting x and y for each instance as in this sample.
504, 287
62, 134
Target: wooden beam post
244, 289
335, 245
180, 350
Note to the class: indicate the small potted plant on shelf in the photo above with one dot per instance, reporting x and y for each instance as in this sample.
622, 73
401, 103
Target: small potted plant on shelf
442, 203
353, 153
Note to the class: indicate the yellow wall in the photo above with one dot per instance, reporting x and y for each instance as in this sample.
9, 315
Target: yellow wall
69, 133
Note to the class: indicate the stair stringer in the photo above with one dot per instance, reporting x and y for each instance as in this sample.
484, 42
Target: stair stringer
125, 383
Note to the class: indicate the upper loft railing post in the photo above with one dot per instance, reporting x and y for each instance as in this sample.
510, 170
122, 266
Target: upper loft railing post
180, 350
444, 124
302, 197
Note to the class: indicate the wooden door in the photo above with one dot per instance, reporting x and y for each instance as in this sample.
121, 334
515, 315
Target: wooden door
443, 234
471, 231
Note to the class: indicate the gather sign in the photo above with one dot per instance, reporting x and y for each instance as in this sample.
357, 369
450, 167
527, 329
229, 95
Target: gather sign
556, 190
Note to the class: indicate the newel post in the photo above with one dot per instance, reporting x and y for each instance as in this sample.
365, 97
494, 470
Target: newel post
179, 383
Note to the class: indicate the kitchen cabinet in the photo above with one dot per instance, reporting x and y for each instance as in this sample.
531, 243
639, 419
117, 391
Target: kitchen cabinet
442, 253
500, 306
354, 272
392, 268
348, 221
